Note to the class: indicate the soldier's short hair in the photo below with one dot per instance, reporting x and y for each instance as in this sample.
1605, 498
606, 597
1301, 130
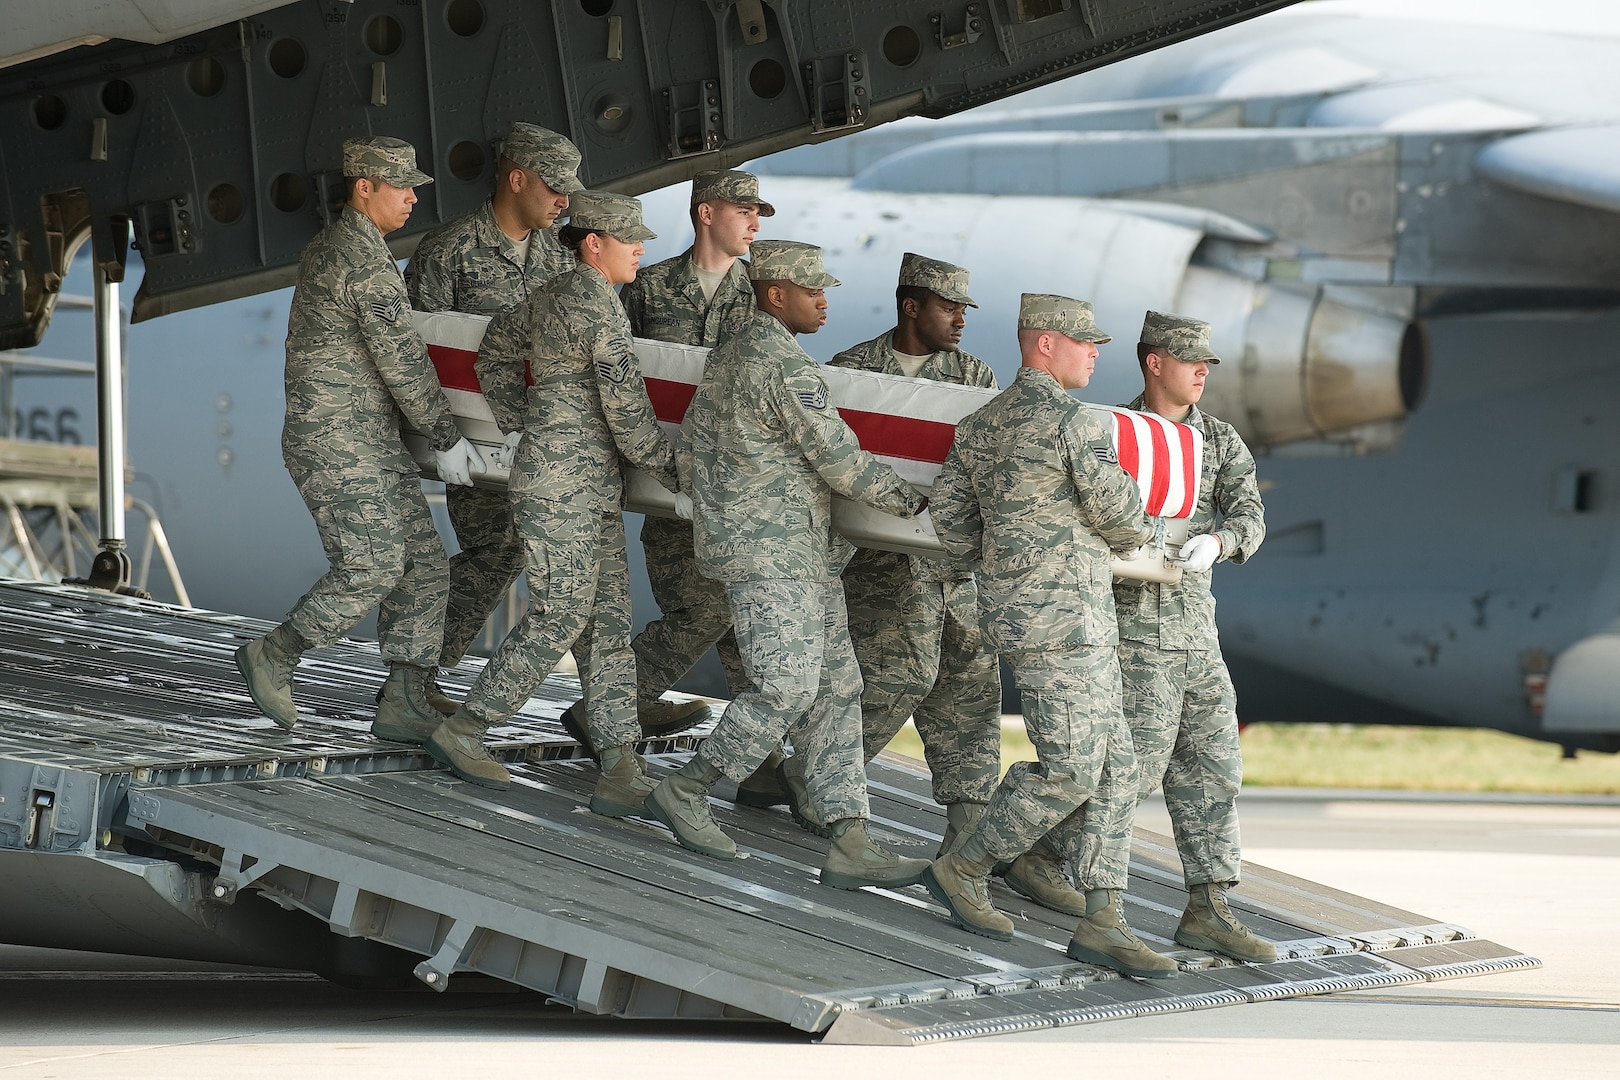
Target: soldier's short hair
902, 293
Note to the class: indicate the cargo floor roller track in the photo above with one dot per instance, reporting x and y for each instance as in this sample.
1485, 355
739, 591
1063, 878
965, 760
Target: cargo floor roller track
146, 807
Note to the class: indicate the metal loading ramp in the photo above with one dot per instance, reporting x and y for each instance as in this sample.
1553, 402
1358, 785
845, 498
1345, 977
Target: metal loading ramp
527, 886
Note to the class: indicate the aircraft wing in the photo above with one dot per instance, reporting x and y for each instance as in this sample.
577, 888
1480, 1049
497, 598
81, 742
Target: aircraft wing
1579, 165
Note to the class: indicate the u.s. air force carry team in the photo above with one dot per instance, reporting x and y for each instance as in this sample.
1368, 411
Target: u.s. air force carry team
827, 649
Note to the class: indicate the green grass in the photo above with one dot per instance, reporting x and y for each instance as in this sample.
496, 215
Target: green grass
1377, 756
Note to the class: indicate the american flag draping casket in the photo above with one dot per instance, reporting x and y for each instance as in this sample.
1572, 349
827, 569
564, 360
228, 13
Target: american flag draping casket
908, 423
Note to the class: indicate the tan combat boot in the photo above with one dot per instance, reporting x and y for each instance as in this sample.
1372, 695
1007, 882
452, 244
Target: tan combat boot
761, 788
436, 696
790, 774
961, 881
960, 818
1103, 938
682, 803
623, 788
267, 665
403, 712
662, 719
459, 743
854, 861
1209, 925
1038, 874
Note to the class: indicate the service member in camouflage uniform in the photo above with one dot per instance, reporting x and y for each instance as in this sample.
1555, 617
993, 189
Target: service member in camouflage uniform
588, 417
768, 452
695, 298
1032, 495
487, 262
356, 369
1179, 700
915, 621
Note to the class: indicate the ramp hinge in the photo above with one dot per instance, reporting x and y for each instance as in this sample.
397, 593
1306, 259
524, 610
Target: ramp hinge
436, 970
236, 872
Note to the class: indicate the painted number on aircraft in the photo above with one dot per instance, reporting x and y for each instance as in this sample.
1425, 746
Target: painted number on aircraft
37, 425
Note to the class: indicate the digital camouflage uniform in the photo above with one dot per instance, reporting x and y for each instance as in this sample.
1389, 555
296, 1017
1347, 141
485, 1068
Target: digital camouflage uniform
587, 418
769, 451
666, 303
468, 264
357, 369
1179, 700
1032, 495
914, 621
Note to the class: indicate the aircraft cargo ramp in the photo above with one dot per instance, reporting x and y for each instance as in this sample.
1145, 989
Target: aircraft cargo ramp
146, 807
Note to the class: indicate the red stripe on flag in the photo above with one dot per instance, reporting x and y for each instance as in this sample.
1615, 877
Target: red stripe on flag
900, 436
1129, 455
670, 399
1189, 475
455, 368
1161, 476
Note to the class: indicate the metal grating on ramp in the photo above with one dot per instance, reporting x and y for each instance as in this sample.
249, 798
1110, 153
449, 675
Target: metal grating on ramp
127, 743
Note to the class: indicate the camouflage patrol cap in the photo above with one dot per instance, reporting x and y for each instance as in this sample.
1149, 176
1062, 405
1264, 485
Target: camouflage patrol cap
378, 157
789, 260
1071, 318
733, 186
949, 282
1183, 338
546, 153
609, 212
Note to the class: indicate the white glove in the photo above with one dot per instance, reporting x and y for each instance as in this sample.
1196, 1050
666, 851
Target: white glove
1200, 553
457, 464
683, 506
506, 456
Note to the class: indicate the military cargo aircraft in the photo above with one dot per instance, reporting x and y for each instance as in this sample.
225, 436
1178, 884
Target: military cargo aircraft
1403, 254
1412, 264
147, 807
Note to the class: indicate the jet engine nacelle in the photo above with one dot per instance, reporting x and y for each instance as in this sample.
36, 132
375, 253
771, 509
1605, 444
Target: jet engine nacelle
1299, 365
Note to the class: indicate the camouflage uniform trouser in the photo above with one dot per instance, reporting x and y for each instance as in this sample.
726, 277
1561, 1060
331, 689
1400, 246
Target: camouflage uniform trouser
383, 552
1080, 796
694, 615
794, 637
922, 658
1182, 713
491, 558
579, 598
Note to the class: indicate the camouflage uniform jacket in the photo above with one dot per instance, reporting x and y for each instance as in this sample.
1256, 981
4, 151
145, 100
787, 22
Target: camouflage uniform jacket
1033, 498
355, 365
947, 366
769, 450
666, 302
1182, 616
468, 264
588, 408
